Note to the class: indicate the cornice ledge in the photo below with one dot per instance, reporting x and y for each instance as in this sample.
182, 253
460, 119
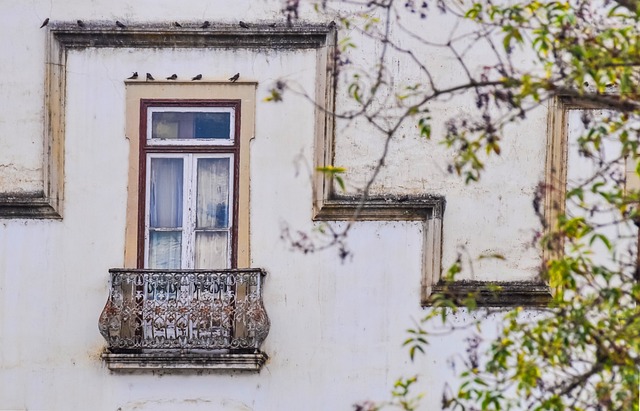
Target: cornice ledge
387, 208
495, 293
28, 206
165, 35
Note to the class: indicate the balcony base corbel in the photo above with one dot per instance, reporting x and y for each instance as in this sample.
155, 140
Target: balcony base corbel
168, 361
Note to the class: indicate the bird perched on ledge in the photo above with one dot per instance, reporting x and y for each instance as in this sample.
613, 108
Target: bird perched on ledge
198, 77
133, 76
172, 77
81, 23
45, 22
149, 76
234, 78
205, 24
122, 26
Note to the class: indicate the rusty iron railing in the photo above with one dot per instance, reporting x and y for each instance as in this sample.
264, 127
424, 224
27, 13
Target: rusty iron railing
184, 310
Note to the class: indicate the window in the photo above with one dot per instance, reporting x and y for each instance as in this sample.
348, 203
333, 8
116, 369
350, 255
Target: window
189, 154
188, 188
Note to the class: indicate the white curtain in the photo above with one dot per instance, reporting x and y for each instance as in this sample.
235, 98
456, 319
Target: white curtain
165, 212
212, 213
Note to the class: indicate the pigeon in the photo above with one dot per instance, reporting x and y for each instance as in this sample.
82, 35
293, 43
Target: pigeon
133, 76
149, 76
272, 24
45, 22
172, 77
243, 25
205, 24
176, 24
198, 77
81, 23
120, 24
234, 78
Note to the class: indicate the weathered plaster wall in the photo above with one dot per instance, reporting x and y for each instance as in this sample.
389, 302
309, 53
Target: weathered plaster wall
337, 327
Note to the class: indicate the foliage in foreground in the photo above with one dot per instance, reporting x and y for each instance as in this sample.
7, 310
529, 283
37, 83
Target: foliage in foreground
581, 352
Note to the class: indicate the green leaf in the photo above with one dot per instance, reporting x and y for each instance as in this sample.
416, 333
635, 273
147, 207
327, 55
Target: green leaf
425, 127
340, 182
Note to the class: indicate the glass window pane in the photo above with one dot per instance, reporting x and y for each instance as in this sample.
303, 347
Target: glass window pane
165, 196
165, 249
187, 125
212, 209
211, 249
212, 125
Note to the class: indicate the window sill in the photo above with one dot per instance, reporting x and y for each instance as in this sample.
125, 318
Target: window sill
497, 294
167, 361
28, 206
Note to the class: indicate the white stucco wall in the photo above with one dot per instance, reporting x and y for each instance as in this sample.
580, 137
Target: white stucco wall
336, 327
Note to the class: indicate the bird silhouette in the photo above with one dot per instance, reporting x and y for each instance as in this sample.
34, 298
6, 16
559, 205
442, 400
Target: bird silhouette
243, 25
172, 77
205, 25
198, 77
133, 76
234, 78
272, 24
45, 22
175, 23
120, 24
81, 23
149, 76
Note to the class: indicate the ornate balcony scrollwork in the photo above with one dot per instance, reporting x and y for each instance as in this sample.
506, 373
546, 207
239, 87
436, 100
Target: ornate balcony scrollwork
184, 311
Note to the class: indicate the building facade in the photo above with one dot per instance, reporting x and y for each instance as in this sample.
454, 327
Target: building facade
155, 231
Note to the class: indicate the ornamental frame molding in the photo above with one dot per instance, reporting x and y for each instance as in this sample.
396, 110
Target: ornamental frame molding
63, 36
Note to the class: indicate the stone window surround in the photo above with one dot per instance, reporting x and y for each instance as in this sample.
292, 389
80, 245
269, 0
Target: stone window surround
65, 36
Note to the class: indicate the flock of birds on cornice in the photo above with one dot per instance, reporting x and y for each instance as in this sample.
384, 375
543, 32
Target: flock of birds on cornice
121, 25
174, 76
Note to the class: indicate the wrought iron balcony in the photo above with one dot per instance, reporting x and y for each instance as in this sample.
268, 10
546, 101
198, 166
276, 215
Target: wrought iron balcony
159, 312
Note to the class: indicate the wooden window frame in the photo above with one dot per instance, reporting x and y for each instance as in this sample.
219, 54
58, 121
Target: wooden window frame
205, 148
173, 93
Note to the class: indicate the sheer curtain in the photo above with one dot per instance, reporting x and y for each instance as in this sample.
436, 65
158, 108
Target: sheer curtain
212, 213
165, 212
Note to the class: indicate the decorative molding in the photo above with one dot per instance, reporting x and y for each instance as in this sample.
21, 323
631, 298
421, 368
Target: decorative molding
329, 206
389, 208
28, 206
428, 209
555, 170
497, 294
555, 185
105, 34
65, 36
176, 362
